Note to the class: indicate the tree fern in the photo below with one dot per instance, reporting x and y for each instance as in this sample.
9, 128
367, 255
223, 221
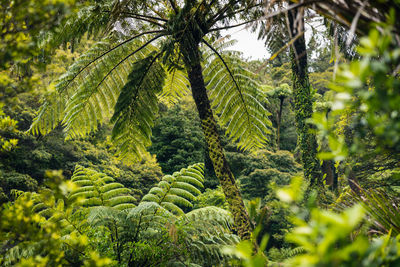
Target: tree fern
136, 108
88, 91
236, 97
98, 189
94, 189
207, 231
91, 87
175, 192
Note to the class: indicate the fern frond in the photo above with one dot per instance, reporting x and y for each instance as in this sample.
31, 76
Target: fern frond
236, 98
99, 216
88, 91
136, 108
176, 192
210, 215
176, 86
99, 189
88, 20
208, 230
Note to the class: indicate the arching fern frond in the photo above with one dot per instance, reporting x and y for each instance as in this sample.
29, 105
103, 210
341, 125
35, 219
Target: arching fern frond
176, 192
236, 97
88, 20
208, 230
176, 86
136, 108
88, 91
218, 219
98, 189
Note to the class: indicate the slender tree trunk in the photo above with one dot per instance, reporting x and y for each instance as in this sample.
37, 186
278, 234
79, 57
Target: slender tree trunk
278, 126
303, 100
328, 168
209, 125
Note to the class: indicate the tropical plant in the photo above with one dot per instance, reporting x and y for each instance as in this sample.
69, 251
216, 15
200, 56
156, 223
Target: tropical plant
43, 228
128, 71
10, 125
382, 209
328, 238
92, 212
177, 191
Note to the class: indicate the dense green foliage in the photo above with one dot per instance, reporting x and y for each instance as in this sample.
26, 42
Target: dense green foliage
177, 139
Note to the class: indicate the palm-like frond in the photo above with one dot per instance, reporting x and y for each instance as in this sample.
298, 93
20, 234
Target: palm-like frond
137, 106
88, 20
88, 91
98, 189
237, 99
382, 209
176, 86
208, 230
177, 191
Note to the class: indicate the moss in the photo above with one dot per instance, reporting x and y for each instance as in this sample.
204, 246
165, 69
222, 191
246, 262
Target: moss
303, 107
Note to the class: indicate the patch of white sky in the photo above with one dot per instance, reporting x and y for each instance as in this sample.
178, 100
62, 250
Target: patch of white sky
253, 48
247, 43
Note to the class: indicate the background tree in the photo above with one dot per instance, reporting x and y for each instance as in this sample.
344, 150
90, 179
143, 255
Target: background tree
279, 94
303, 98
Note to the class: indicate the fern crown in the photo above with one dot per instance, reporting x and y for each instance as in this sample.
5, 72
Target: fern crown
124, 76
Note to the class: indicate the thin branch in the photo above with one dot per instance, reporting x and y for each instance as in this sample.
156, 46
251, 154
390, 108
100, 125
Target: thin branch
139, 17
293, 6
155, 11
173, 5
217, 16
145, 16
280, 51
232, 26
209, 6
241, 10
105, 53
354, 24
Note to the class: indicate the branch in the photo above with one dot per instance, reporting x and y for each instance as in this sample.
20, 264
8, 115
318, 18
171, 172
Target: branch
105, 53
145, 16
232, 26
173, 5
155, 11
240, 10
280, 50
149, 19
217, 16
293, 6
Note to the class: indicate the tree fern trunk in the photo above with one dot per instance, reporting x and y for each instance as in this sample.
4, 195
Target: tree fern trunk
278, 126
303, 100
221, 167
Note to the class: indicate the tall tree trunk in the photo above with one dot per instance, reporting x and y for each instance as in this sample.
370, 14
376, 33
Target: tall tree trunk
278, 126
303, 100
209, 125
